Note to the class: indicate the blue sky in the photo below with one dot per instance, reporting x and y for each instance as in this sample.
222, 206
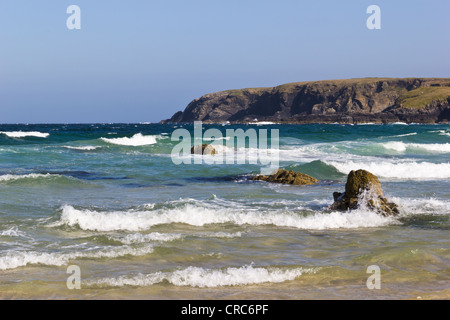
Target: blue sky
141, 61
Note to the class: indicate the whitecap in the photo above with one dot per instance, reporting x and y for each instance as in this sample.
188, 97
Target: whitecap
208, 278
83, 148
397, 170
263, 123
22, 134
220, 234
144, 238
11, 177
12, 232
404, 135
14, 259
137, 140
201, 215
431, 147
422, 206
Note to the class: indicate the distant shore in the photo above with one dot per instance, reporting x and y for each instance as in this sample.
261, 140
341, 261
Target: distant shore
349, 101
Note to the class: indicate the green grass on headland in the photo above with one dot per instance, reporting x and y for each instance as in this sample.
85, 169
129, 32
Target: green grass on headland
420, 97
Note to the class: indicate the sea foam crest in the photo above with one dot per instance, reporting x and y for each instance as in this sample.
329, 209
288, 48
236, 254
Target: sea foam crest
137, 140
11, 177
397, 170
441, 132
82, 148
432, 147
136, 238
423, 206
15, 259
22, 134
200, 215
144, 238
210, 278
12, 232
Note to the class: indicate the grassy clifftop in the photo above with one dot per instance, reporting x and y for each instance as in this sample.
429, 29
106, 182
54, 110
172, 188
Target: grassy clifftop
421, 97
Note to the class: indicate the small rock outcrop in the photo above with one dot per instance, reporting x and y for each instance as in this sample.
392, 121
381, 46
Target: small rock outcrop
363, 188
204, 149
288, 177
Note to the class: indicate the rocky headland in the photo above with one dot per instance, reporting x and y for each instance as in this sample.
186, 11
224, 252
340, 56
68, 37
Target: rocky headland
376, 100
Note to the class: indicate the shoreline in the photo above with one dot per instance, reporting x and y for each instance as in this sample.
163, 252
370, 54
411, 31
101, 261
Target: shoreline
381, 100
271, 122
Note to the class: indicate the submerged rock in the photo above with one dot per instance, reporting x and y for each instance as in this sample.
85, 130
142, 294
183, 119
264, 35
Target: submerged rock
363, 188
288, 177
204, 149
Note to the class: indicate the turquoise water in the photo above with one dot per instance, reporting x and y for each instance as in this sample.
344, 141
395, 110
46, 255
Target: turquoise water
109, 199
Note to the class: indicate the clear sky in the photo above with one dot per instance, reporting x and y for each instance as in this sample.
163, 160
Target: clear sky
143, 60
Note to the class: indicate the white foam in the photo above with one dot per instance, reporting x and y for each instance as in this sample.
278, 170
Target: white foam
225, 235
404, 135
262, 123
444, 133
12, 232
208, 278
15, 259
397, 170
22, 134
402, 147
215, 139
422, 206
200, 215
441, 132
144, 238
84, 148
137, 140
12, 260
10, 177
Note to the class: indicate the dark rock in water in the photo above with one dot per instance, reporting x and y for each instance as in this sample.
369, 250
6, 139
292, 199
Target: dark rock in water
363, 188
288, 177
204, 149
338, 196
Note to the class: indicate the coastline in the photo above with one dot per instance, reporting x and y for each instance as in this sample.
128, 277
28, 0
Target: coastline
374, 100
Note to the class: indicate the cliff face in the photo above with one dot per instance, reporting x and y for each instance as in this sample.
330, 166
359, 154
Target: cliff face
345, 101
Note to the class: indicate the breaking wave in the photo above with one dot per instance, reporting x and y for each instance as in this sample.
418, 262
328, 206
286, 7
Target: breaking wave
207, 278
23, 134
402, 147
144, 238
137, 140
397, 170
201, 215
83, 148
12, 177
15, 259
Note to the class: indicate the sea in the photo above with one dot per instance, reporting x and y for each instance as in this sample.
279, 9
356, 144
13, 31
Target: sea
104, 211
